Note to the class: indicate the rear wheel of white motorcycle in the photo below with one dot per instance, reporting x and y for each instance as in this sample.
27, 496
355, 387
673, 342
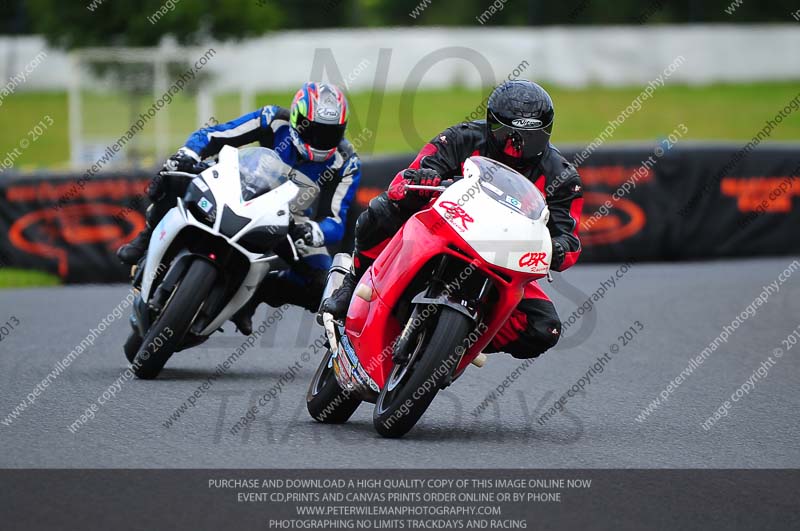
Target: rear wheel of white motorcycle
326, 401
411, 387
167, 333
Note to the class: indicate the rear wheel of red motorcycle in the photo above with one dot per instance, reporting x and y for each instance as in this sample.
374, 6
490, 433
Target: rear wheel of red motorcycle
326, 401
410, 389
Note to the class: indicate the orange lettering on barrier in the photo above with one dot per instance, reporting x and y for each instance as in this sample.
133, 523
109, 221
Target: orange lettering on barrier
612, 175
70, 191
85, 223
761, 194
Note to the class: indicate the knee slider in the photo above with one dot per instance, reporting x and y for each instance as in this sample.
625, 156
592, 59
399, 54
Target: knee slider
546, 333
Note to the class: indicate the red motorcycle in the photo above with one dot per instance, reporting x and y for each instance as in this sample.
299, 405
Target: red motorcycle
433, 299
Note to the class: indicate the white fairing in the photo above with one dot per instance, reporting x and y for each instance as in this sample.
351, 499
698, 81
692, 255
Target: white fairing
270, 209
498, 233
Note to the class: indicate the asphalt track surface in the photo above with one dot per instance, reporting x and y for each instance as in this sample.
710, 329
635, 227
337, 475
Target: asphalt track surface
681, 308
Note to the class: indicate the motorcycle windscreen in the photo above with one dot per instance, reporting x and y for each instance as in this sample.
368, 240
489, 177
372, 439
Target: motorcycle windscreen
261, 170
305, 202
509, 188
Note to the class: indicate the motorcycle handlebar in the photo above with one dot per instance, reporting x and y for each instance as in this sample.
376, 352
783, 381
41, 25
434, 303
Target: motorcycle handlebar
177, 174
441, 188
198, 168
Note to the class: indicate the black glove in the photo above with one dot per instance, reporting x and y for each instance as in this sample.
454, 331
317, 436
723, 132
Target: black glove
422, 177
181, 161
307, 232
184, 161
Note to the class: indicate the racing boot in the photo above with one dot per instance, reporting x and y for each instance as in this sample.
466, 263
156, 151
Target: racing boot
132, 252
279, 288
243, 319
339, 301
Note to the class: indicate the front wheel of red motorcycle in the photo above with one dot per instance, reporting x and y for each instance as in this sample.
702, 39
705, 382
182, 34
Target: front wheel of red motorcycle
326, 401
412, 386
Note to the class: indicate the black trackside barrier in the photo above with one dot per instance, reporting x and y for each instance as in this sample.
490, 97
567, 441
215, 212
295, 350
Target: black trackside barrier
641, 202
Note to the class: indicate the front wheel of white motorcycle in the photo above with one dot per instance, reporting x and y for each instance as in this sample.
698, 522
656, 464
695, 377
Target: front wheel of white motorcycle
326, 401
167, 333
132, 345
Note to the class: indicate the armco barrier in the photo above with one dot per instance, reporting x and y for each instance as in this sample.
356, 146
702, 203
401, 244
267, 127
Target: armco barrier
641, 202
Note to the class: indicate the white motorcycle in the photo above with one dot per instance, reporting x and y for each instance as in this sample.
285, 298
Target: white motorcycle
209, 253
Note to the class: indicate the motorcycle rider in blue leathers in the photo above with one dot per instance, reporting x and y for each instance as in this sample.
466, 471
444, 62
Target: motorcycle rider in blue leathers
309, 138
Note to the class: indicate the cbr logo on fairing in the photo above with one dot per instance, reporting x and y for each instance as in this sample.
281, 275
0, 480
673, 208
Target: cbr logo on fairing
532, 260
454, 211
527, 123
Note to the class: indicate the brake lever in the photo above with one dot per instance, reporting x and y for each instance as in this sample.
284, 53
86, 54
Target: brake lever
428, 188
167, 173
293, 246
197, 169
441, 188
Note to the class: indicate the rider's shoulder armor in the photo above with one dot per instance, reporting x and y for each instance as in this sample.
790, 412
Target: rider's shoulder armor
346, 158
346, 149
473, 133
275, 116
462, 140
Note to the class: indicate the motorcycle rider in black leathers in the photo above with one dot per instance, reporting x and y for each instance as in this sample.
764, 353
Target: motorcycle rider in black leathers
516, 132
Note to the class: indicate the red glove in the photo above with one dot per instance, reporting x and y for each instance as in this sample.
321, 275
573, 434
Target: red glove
422, 176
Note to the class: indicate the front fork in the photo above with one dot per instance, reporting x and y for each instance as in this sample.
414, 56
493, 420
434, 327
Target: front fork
437, 294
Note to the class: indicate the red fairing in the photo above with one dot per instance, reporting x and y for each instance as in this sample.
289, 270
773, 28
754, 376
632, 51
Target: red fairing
371, 326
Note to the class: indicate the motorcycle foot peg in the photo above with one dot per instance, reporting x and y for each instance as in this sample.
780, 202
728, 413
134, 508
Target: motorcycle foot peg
480, 360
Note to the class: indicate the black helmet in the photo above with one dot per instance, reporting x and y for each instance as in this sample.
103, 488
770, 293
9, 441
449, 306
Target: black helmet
519, 120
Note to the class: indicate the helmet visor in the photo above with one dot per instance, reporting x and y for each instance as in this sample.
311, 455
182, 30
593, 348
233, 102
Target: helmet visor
321, 136
526, 140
